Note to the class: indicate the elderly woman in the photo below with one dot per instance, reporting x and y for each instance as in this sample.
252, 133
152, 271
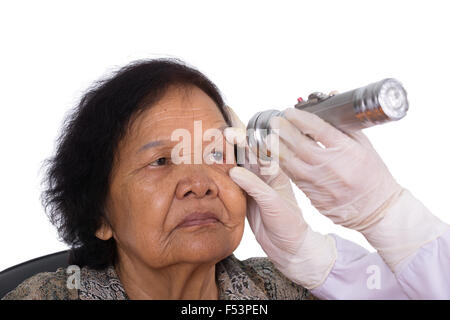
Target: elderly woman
144, 225
139, 225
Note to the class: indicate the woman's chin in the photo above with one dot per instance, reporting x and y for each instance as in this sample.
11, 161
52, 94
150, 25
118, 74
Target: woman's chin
207, 248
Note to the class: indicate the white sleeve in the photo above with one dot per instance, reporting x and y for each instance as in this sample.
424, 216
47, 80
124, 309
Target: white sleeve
426, 275
358, 274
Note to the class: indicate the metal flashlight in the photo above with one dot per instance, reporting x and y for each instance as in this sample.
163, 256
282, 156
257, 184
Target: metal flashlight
364, 107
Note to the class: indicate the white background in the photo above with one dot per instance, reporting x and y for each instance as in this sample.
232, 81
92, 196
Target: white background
260, 54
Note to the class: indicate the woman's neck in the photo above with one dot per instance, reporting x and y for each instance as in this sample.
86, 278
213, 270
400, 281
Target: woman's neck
184, 281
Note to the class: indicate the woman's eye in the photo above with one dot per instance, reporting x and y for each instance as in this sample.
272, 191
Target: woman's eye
159, 162
217, 156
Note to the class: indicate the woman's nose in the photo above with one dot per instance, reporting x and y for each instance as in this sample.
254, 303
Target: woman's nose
196, 183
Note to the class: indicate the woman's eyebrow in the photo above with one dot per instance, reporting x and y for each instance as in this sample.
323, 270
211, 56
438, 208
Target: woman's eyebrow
156, 143
152, 144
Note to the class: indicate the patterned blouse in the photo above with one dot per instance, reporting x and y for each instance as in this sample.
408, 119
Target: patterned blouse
254, 278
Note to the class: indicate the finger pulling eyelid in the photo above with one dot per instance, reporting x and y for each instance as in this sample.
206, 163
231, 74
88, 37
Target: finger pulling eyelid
235, 136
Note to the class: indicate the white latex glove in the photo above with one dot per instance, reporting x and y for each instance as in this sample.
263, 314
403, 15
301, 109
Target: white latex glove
348, 182
302, 255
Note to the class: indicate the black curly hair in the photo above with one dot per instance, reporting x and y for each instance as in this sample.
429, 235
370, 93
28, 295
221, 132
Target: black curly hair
77, 177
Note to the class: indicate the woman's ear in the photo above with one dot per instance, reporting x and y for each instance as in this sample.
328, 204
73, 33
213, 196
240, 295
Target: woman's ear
105, 231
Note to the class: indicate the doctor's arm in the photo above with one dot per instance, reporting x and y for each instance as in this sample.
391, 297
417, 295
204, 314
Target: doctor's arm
348, 182
330, 267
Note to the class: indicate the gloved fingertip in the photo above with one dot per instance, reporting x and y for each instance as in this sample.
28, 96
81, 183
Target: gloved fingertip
235, 135
235, 172
272, 142
234, 117
229, 135
231, 172
290, 113
242, 176
275, 122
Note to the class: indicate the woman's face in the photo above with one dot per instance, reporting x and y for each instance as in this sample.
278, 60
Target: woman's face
150, 196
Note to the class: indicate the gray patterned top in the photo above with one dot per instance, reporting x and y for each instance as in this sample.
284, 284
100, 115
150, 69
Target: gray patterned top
254, 278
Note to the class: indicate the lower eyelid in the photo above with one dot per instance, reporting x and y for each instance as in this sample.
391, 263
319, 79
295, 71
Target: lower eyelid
168, 161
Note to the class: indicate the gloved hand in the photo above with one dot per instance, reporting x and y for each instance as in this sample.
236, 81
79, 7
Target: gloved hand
302, 255
347, 181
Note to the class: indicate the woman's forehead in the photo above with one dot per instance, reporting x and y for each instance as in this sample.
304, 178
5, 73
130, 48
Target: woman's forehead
176, 110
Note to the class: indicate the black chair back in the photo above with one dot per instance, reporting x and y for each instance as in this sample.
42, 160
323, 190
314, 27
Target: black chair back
15, 275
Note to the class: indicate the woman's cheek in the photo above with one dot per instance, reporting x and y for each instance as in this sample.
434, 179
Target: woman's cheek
152, 198
233, 197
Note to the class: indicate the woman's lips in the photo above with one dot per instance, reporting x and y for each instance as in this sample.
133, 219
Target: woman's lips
195, 219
